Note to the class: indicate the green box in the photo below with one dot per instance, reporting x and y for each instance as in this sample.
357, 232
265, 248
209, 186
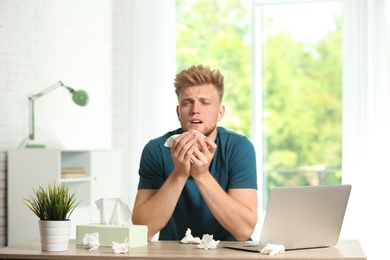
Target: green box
137, 234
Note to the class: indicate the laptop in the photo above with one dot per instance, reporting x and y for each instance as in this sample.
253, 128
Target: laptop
302, 217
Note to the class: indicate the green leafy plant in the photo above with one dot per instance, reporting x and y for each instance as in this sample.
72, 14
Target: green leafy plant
53, 202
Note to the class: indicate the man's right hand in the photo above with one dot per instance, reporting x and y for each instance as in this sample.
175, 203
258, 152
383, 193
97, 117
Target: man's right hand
181, 151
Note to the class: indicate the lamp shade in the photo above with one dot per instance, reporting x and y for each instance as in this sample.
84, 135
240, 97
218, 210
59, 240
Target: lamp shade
80, 97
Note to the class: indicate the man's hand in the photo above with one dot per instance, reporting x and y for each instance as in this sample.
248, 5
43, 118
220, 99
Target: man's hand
182, 150
202, 156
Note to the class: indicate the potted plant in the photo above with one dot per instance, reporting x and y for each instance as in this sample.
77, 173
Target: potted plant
53, 204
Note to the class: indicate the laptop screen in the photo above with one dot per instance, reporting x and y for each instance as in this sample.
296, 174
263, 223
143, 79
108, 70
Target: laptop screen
305, 216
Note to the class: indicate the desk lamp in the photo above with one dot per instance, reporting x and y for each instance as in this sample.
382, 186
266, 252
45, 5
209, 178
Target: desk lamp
80, 97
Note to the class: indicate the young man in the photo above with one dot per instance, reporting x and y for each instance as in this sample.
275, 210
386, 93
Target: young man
207, 180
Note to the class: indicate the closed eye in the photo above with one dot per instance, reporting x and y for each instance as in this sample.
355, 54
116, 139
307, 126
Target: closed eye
187, 101
205, 101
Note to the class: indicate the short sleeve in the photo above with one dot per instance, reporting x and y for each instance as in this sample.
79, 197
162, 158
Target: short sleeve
150, 170
242, 166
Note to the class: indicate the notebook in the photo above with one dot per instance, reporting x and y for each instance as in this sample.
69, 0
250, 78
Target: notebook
300, 217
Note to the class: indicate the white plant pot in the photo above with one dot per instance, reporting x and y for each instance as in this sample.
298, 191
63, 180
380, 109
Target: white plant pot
54, 234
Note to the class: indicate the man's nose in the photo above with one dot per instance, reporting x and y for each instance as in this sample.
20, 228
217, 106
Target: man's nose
195, 108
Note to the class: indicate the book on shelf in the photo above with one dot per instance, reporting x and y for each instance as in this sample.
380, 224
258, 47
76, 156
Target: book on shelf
73, 172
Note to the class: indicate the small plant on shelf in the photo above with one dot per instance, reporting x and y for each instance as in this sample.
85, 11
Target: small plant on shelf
52, 202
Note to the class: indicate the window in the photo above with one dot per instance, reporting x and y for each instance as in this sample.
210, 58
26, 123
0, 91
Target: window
292, 108
298, 67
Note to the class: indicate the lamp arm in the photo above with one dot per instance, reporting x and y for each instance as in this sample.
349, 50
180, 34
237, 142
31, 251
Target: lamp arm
46, 91
31, 131
31, 105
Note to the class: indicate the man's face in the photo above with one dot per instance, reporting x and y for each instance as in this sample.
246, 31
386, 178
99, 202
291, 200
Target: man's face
199, 109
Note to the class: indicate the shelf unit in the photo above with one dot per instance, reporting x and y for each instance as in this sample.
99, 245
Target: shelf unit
28, 168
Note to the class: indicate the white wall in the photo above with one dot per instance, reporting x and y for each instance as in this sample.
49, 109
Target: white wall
116, 50
41, 43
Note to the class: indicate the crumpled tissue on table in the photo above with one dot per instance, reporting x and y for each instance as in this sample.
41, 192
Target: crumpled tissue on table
91, 241
272, 249
189, 239
113, 211
207, 241
121, 248
169, 141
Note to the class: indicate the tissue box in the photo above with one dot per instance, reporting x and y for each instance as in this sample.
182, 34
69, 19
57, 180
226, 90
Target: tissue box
137, 234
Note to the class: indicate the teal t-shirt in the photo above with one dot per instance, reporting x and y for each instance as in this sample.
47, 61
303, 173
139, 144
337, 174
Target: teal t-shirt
233, 166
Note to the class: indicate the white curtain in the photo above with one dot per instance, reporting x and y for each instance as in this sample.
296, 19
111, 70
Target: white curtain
152, 101
366, 123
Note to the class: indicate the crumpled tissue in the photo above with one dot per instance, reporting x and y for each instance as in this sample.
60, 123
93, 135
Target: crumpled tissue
189, 239
121, 248
272, 249
208, 242
91, 241
169, 141
113, 211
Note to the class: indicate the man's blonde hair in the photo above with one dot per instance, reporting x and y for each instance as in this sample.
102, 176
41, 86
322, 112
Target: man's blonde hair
199, 75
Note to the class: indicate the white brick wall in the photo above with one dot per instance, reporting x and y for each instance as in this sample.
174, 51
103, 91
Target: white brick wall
120, 51
81, 43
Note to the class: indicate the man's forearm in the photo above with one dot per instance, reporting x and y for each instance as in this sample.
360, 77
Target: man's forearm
236, 211
155, 209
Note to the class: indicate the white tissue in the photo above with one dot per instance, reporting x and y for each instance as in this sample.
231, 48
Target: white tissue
121, 248
189, 239
113, 211
272, 249
208, 242
169, 141
91, 241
